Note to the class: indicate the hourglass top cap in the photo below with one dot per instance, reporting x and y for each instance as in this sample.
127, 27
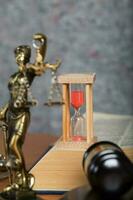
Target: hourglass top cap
77, 78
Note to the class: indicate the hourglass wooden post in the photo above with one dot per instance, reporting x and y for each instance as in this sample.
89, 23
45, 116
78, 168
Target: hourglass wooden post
88, 80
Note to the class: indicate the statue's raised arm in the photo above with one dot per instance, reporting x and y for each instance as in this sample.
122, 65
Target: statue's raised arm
40, 66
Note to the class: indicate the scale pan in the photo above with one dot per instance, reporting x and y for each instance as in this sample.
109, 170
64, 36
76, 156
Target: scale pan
55, 103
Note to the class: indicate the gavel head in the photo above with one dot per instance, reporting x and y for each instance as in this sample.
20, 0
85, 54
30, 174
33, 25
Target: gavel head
108, 169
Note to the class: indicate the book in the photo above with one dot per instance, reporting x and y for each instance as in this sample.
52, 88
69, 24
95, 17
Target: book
60, 169
115, 128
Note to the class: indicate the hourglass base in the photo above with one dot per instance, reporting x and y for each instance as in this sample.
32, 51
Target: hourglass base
71, 145
78, 138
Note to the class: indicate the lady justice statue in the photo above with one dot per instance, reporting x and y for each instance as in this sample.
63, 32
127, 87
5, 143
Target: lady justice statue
15, 116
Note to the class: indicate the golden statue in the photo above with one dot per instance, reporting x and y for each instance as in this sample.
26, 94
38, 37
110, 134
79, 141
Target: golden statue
15, 115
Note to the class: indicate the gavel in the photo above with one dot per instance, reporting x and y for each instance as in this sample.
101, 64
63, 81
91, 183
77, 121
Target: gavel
108, 169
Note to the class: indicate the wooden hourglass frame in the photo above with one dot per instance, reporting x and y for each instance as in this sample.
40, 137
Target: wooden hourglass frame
65, 80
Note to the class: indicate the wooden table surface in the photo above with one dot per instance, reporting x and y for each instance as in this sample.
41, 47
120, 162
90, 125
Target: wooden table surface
34, 147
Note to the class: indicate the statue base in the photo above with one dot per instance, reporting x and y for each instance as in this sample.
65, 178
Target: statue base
19, 195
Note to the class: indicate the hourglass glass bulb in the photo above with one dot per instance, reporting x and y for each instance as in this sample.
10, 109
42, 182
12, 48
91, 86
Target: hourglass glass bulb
77, 120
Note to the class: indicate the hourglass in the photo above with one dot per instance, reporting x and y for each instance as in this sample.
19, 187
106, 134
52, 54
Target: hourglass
77, 91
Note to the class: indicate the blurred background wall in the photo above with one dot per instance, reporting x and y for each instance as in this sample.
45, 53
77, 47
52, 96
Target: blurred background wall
88, 35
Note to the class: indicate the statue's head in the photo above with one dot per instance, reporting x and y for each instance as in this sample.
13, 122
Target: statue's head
22, 54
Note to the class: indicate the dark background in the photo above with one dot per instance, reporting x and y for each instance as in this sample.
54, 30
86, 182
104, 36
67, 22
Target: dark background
88, 35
